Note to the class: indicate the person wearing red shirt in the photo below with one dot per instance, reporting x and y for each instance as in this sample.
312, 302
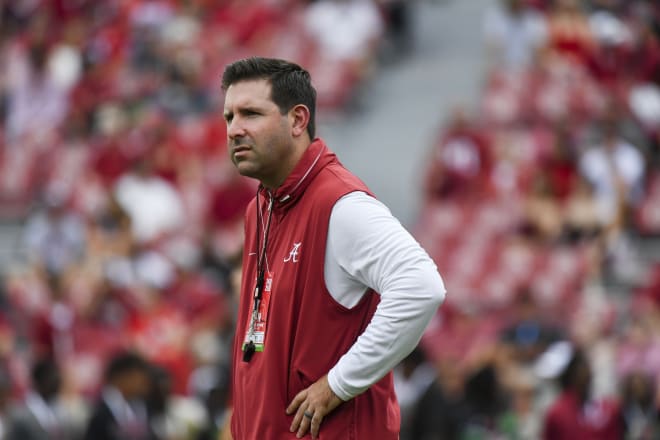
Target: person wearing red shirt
460, 163
574, 415
334, 291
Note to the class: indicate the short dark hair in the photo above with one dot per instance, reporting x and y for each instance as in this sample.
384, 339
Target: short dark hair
290, 84
569, 375
45, 373
124, 362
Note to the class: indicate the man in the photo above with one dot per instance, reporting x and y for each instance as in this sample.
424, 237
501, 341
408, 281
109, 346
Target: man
514, 34
120, 413
38, 418
615, 168
315, 343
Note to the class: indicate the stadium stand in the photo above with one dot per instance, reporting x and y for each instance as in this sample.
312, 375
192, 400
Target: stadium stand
539, 245
112, 132
534, 207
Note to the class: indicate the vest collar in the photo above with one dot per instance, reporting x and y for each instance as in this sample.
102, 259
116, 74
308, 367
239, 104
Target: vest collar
313, 160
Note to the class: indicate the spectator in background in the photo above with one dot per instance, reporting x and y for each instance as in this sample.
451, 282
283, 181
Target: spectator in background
94, 88
147, 20
109, 234
569, 34
346, 31
52, 329
54, 236
159, 330
112, 155
172, 417
37, 104
247, 24
39, 417
638, 350
65, 61
488, 414
514, 34
528, 334
68, 161
460, 163
120, 413
559, 163
616, 170
399, 22
639, 407
183, 93
215, 395
646, 53
581, 220
441, 412
611, 55
542, 216
153, 204
523, 393
412, 377
644, 95
227, 204
574, 415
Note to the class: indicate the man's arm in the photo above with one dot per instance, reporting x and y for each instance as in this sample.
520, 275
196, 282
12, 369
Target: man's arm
372, 248
368, 248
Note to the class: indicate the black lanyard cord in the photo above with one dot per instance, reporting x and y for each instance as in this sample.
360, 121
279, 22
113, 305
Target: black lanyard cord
261, 251
250, 347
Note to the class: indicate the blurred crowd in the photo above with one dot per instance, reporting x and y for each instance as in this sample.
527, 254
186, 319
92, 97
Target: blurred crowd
113, 159
119, 304
536, 204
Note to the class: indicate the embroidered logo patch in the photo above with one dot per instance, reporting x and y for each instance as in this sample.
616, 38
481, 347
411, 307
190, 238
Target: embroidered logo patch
293, 255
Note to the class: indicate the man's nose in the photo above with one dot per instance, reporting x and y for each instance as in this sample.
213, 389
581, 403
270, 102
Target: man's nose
235, 129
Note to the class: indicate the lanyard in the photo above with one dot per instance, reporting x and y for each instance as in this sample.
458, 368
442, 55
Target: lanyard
250, 348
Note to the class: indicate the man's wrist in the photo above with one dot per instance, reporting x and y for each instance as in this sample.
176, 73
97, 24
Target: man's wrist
336, 387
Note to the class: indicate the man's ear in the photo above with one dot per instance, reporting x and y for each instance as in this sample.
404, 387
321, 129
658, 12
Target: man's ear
299, 117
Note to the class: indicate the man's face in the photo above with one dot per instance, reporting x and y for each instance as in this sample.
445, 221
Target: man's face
137, 383
259, 140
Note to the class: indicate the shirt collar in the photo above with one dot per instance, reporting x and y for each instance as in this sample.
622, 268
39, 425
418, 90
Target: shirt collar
314, 159
118, 405
41, 410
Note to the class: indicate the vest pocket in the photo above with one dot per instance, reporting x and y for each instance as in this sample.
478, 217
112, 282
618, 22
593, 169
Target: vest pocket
298, 381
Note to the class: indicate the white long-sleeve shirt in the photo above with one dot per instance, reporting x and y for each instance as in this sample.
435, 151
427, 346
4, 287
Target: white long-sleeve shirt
367, 248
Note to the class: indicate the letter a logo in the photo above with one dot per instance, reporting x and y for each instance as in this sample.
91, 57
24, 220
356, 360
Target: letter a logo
293, 255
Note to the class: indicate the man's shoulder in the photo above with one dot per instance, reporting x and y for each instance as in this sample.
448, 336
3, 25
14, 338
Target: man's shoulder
335, 180
19, 411
20, 418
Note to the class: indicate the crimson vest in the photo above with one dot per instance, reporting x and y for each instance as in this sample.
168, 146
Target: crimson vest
307, 330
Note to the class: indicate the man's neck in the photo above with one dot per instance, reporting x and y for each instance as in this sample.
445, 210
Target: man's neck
287, 169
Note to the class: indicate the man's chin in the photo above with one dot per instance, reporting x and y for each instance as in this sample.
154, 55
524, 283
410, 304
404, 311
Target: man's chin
244, 169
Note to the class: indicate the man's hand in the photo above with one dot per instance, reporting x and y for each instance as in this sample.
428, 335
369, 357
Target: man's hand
310, 406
